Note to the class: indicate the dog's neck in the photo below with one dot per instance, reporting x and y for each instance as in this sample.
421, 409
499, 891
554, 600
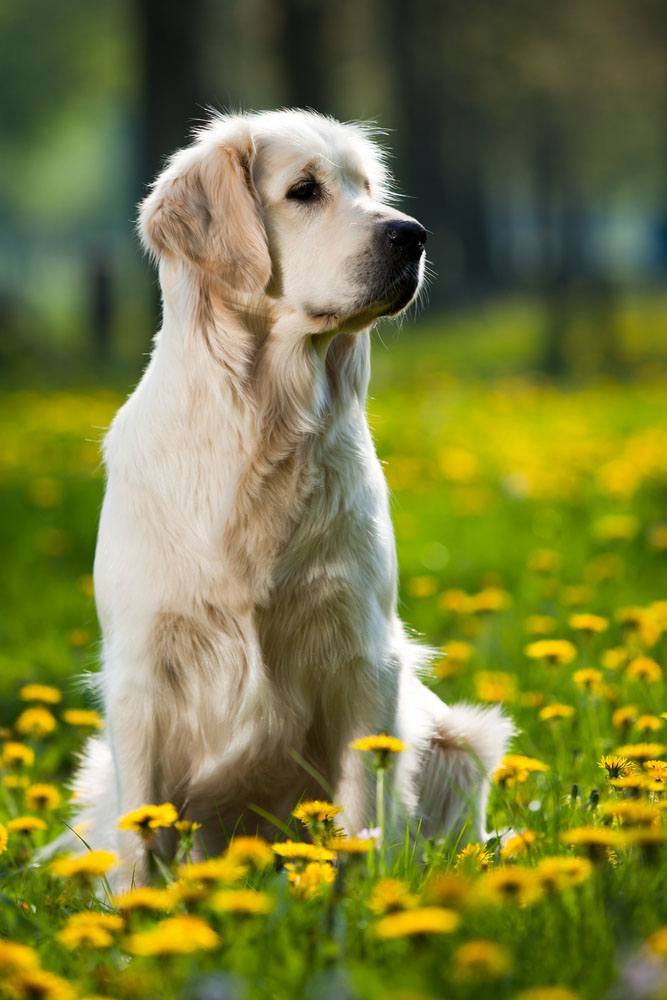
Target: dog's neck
280, 392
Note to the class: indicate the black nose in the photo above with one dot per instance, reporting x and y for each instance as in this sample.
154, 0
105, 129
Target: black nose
405, 234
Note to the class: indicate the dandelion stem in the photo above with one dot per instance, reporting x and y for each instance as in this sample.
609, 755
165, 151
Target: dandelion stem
379, 811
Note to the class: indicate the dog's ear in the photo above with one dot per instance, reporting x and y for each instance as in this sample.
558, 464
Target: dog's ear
204, 208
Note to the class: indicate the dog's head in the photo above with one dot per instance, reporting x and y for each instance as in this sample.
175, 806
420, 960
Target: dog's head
288, 211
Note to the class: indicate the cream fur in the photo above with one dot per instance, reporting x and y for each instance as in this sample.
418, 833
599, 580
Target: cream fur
245, 572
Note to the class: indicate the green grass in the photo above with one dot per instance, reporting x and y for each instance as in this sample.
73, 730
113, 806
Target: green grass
485, 474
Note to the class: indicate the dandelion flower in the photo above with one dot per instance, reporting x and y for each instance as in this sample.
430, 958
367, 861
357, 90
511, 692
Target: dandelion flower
616, 766
419, 921
588, 678
641, 751
144, 898
596, 839
250, 850
17, 754
622, 718
28, 984
297, 851
517, 768
474, 856
40, 692
42, 797
93, 864
544, 561
556, 652
495, 686
588, 624
4, 837
449, 889
643, 668
489, 600
513, 884
614, 659
657, 942
351, 845
481, 960
316, 811
540, 624
223, 869
35, 722
556, 712
631, 812
15, 957
248, 901
558, 873
83, 718
26, 825
649, 723
519, 844
378, 744
389, 895
90, 930
179, 935
310, 880
148, 818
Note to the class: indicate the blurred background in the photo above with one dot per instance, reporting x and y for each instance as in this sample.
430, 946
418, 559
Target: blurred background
520, 408
531, 138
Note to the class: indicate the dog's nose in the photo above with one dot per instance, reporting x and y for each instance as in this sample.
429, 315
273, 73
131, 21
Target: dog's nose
407, 235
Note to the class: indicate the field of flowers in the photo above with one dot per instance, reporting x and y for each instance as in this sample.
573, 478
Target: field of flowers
532, 532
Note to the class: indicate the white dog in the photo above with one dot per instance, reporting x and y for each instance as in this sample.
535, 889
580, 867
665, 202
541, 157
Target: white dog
245, 572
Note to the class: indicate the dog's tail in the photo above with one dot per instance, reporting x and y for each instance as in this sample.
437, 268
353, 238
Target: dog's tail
94, 824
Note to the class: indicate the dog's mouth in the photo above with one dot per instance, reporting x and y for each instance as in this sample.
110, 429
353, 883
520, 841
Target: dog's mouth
389, 299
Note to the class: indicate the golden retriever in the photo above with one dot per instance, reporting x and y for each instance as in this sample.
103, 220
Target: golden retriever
245, 572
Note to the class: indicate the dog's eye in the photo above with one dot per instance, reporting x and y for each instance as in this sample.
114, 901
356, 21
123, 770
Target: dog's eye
307, 190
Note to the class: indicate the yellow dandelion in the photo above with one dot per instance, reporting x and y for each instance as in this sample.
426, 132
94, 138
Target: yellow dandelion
148, 818
223, 869
310, 880
617, 527
489, 600
4, 838
588, 678
449, 889
419, 921
16, 957
457, 651
381, 744
575, 596
517, 768
474, 856
316, 811
643, 668
187, 827
390, 894
532, 699
540, 624
633, 784
481, 960
648, 838
615, 765
558, 873
29, 984
85, 936
597, 840
249, 901
518, 844
17, 755
614, 659
495, 686
556, 652
656, 769
556, 712
83, 718
513, 884
631, 812
26, 825
622, 718
657, 942
40, 692
42, 797
641, 751
174, 936
250, 850
648, 723
144, 898
297, 851
455, 602
642, 623
351, 845
422, 586
35, 722
16, 781
588, 623
93, 864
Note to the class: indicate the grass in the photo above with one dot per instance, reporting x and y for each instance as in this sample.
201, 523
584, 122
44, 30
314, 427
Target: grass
517, 505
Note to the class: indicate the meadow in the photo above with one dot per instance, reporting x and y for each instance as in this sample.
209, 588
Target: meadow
531, 523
